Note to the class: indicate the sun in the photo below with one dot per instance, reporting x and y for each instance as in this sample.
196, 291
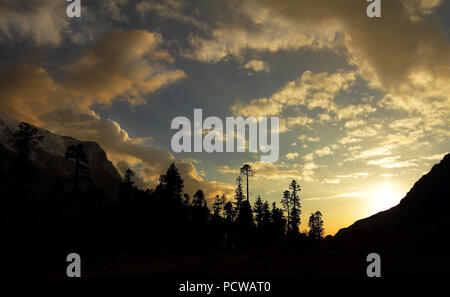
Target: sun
383, 196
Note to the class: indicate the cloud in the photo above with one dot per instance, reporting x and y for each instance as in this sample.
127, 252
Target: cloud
256, 66
391, 162
358, 134
257, 108
406, 124
113, 9
324, 151
304, 138
291, 156
123, 64
387, 175
418, 8
42, 21
309, 157
414, 75
373, 152
287, 123
352, 111
170, 9
332, 181
343, 195
148, 161
349, 140
311, 90
435, 157
353, 123
354, 175
276, 171
248, 25
413, 42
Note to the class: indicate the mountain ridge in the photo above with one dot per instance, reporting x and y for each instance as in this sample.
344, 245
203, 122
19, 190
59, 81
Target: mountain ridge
49, 156
428, 199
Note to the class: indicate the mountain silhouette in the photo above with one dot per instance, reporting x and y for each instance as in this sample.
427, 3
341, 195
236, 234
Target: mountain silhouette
49, 161
60, 194
427, 202
411, 238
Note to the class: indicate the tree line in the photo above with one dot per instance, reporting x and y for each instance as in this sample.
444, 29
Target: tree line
161, 218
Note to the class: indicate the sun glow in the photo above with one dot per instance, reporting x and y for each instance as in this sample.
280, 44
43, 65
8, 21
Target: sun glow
383, 196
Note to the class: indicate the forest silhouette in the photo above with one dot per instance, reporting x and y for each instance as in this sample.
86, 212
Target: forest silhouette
76, 214
164, 217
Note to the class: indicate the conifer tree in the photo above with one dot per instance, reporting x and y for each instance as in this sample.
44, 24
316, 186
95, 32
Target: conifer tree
171, 184
248, 172
278, 220
218, 205
295, 203
316, 225
239, 196
266, 216
229, 211
258, 210
286, 202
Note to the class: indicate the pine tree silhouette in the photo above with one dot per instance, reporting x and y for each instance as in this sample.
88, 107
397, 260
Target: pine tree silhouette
295, 202
316, 225
248, 172
171, 184
258, 210
286, 202
239, 196
278, 221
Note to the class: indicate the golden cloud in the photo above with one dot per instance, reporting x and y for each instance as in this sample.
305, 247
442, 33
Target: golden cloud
405, 53
123, 64
311, 90
256, 65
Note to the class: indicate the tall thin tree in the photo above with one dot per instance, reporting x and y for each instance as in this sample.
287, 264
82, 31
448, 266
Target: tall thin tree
278, 220
258, 210
239, 196
295, 202
248, 172
266, 216
286, 202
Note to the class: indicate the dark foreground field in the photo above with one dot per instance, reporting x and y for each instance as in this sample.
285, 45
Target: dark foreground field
413, 253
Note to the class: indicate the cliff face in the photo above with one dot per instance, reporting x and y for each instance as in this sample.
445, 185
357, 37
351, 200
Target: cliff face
48, 158
428, 202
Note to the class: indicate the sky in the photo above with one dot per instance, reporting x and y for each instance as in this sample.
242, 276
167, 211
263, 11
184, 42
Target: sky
363, 103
